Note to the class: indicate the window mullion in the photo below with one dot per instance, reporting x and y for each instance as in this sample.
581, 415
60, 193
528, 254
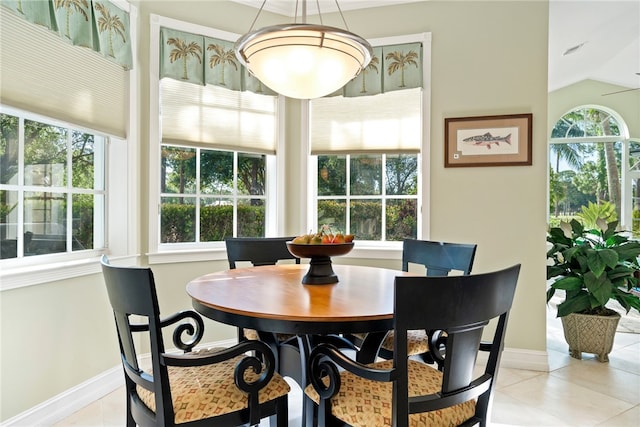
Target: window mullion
21, 143
383, 192
235, 194
69, 191
198, 201
348, 195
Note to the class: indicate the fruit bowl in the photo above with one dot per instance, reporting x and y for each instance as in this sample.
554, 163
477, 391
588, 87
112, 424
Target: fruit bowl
308, 250
320, 270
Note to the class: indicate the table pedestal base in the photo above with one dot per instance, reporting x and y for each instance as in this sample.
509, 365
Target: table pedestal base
320, 272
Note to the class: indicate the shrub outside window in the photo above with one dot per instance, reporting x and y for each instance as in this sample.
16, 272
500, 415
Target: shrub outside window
209, 195
373, 196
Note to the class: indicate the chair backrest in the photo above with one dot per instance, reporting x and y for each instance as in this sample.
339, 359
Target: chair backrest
439, 258
132, 291
258, 250
461, 306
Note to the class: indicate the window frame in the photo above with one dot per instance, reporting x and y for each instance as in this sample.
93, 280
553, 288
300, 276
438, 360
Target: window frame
626, 175
37, 269
383, 197
158, 252
382, 249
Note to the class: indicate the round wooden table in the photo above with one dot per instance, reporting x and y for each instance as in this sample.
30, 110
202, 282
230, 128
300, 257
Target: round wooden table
272, 298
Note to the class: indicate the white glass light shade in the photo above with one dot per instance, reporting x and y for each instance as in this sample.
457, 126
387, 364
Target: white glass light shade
303, 61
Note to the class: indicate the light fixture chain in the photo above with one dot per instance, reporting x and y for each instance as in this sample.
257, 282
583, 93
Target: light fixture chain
256, 18
342, 16
295, 15
319, 13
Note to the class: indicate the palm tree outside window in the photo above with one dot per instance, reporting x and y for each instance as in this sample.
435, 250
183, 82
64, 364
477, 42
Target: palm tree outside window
591, 169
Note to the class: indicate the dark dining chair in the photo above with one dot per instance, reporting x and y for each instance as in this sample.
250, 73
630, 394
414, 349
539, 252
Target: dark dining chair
439, 259
403, 390
207, 387
259, 251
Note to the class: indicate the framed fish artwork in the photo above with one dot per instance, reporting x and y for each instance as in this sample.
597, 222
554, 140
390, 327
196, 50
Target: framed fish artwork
488, 141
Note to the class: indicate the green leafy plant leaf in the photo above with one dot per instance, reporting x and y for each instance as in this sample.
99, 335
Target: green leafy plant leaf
574, 305
592, 265
600, 287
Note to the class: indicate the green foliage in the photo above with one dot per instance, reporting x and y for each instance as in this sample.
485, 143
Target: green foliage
589, 214
402, 220
592, 266
332, 175
636, 223
83, 220
366, 219
216, 222
251, 221
333, 213
177, 223
402, 174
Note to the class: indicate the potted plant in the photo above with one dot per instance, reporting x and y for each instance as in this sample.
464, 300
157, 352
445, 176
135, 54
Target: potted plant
592, 267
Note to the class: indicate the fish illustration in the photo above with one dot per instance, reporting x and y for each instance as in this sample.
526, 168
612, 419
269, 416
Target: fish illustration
487, 139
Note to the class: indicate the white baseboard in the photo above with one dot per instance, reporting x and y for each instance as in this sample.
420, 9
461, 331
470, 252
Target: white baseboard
530, 360
516, 358
63, 405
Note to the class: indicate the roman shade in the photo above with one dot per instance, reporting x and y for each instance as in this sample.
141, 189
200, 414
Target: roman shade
211, 116
43, 74
386, 123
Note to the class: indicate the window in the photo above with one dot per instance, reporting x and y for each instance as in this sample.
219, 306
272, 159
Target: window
52, 191
207, 194
68, 189
367, 146
373, 196
214, 166
591, 169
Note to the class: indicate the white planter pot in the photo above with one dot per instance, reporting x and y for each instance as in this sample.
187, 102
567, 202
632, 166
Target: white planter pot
590, 334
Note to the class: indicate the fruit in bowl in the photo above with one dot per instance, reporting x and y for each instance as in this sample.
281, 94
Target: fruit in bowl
323, 237
320, 247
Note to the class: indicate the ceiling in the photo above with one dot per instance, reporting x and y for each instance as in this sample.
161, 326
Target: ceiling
609, 35
606, 31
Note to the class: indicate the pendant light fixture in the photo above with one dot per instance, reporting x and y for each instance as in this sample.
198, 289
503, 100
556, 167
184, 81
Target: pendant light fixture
302, 60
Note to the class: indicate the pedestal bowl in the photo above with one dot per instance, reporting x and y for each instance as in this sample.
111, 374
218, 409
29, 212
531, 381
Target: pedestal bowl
320, 270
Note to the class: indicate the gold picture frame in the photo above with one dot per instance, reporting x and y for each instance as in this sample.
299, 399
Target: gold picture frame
504, 140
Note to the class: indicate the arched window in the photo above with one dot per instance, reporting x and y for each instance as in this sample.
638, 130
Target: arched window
591, 171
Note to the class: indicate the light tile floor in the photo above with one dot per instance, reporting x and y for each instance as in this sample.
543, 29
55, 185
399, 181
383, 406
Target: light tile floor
575, 392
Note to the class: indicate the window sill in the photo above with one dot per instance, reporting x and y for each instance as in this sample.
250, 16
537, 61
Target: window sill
362, 250
36, 273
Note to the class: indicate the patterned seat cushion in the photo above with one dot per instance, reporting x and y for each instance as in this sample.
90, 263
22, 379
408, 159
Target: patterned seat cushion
365, 403
416, 342
252, 334
208, 391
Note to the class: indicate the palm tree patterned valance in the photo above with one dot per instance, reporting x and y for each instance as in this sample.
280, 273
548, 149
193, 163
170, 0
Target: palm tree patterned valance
393, 67
205, 60
96, 24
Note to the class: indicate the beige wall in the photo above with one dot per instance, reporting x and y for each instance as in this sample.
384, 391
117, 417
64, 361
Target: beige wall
487, 58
